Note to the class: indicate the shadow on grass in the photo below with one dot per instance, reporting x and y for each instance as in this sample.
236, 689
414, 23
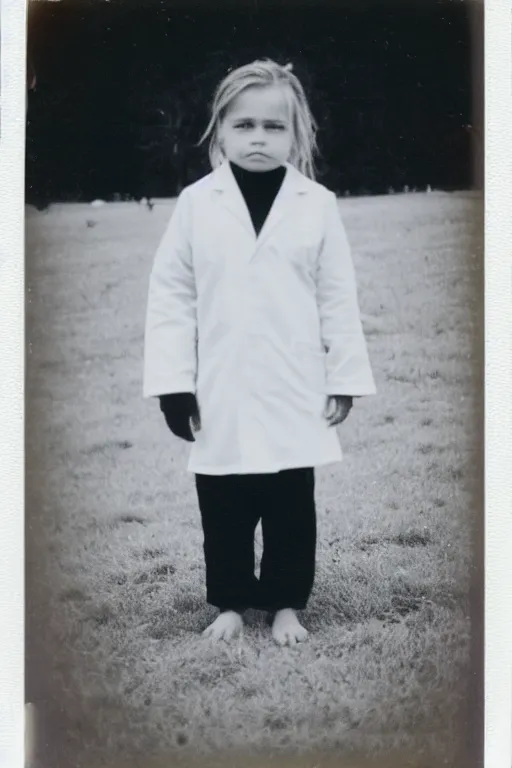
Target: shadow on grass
412, 538
158, 573
108, 447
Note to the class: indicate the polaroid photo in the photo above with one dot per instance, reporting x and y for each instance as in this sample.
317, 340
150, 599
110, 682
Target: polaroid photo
255, 351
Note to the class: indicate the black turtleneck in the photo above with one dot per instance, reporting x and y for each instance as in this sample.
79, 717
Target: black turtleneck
259, 189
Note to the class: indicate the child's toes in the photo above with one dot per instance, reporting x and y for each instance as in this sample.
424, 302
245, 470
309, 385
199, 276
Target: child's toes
281, 638
213, 631
231, 633
287, 630
225, 627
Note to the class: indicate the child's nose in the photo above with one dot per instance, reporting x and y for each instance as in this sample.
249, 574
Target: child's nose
258, 136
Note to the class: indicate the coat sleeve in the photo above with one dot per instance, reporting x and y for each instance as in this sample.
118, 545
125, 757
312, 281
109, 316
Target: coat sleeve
170, 349
348, 366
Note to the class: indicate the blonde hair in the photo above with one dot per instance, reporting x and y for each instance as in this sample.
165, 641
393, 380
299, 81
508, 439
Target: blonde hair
260, 74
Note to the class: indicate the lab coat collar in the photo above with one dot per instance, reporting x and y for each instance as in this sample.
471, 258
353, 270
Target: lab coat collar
294, 184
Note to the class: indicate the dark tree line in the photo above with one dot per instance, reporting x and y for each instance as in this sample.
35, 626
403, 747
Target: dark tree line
123, 91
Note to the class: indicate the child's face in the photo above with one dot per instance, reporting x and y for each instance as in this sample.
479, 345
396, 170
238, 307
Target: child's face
256, 132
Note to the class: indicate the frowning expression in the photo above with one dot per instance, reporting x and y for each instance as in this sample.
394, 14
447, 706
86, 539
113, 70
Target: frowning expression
256, 132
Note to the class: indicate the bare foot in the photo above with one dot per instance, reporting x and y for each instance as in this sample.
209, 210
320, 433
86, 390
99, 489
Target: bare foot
225, 627
286, 629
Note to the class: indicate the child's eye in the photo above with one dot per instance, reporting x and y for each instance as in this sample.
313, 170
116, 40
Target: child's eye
244, 125
276, 127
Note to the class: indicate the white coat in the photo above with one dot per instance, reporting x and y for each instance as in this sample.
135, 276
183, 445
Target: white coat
261, 328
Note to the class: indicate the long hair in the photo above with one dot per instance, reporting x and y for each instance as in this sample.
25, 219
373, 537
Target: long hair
266, 73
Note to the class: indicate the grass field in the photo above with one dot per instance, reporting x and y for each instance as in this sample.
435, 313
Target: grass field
114, 545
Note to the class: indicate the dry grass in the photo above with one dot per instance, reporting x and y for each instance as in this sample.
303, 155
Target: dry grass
113, 512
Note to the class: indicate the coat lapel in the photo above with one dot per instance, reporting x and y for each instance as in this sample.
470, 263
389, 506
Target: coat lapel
225, 186
230, 196
294, 184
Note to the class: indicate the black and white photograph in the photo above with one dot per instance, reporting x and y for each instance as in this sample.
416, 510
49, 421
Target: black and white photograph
254, 383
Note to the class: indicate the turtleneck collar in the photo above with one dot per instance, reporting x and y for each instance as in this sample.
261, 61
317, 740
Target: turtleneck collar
259, 189
260, 178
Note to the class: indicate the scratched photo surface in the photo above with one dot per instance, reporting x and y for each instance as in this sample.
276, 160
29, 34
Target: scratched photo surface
118, 671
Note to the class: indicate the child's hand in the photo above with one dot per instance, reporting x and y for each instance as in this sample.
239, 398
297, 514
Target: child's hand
337, 408
181, 410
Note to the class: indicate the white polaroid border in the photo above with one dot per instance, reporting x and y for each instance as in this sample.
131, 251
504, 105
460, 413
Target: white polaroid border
498, 421
498, 383
12, 152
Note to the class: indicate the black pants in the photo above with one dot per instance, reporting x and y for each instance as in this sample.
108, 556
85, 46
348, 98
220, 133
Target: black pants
231, 507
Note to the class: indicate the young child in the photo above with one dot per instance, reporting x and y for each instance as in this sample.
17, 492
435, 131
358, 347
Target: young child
254, 344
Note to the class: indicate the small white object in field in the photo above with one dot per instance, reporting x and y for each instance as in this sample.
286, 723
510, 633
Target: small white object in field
97, 203
143, 201
429, 189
